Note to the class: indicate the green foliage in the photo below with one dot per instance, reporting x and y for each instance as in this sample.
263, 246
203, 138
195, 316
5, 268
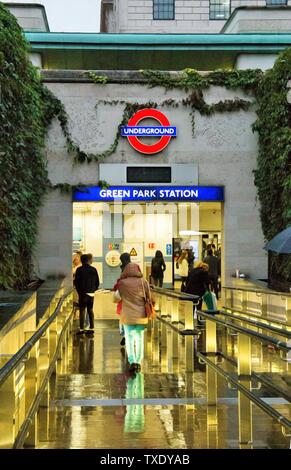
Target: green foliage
22, 166
98, 79
273, 174
190, 79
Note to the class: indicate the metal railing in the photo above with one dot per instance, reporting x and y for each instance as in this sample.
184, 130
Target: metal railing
244, 371
24, 377
176, 312
172, 315
262, 302
177, 306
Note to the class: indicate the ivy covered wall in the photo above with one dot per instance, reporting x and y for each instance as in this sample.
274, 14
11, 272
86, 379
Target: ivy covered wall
273, 176
27, 108
23, 172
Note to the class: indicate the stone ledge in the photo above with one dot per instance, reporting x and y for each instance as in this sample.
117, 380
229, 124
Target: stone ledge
114, 76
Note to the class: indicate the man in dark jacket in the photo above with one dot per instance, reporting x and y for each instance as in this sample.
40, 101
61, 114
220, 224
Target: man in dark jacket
198, 282
86, 282
213, 272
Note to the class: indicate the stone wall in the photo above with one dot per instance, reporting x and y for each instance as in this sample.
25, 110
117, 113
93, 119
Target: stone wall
191, 16
224, 148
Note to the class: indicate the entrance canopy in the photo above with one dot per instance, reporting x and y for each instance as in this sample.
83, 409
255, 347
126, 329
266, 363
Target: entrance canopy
149, 193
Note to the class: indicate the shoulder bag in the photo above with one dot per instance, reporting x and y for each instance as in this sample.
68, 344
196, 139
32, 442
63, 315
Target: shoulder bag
149, 308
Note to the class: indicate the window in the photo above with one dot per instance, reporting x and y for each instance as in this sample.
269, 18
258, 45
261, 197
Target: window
276, 2
164, 9
219, 9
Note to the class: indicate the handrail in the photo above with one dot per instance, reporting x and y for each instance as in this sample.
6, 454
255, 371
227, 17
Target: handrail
279, 331
249, 313
259, 378
12, 363
193, 332
251, 396
264, 338
175, 294
258, 291
25, 425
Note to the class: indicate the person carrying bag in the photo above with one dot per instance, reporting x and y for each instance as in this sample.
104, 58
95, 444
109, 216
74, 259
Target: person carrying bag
135, 313
149, 307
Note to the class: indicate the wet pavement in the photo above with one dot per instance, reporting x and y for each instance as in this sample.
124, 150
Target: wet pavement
95, 403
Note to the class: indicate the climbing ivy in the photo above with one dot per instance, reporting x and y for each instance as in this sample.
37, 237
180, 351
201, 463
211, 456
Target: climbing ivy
273, 174
23, 116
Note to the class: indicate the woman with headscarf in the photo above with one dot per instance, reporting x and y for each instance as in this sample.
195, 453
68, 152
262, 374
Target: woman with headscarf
134, 291
125, 259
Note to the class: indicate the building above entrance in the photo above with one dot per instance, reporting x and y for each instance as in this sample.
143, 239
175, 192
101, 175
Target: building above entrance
161, 174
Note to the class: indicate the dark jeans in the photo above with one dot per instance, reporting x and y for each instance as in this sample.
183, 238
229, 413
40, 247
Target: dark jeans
157, 281
86, 302
214, 284
184, 283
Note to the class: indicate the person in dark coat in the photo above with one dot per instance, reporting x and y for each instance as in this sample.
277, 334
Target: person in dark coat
158, 268
213, 272
86, 282
198, 282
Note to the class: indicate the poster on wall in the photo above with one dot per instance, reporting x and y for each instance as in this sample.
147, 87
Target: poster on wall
136, 252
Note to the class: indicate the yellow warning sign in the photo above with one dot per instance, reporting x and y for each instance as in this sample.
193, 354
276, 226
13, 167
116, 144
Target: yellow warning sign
133, 252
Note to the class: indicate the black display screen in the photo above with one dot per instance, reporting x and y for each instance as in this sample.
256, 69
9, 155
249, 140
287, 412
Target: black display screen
148, 174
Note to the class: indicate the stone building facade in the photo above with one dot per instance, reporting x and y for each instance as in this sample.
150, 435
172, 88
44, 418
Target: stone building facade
175, 16
223, 147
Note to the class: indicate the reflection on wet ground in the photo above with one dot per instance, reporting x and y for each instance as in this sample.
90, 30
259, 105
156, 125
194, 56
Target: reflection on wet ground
96, 403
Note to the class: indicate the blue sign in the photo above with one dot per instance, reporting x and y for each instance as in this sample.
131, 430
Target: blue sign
168, 249
148, 131
149, 193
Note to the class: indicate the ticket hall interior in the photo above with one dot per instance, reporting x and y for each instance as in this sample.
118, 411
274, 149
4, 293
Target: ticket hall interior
107, 229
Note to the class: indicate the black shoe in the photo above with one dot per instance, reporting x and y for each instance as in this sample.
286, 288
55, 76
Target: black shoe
90, 331
132, 368
80, 332
122, 342
137, 367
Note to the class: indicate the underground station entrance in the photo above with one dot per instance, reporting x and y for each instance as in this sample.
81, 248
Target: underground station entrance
208, 380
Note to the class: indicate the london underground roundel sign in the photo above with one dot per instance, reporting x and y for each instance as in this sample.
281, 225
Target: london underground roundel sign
134, 130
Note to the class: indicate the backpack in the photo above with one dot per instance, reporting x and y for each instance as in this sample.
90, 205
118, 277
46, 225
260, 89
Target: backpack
156, 267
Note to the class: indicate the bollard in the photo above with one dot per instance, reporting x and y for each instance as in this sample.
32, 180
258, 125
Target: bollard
175, 310
189, 318
287, 308
32, 384
244, 376
212, 428
244, 300
12, 399
164, 355
211, 376
189, 340
264, 304
163, 306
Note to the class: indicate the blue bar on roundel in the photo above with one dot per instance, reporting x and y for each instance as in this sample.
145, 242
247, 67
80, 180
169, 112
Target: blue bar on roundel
148, 131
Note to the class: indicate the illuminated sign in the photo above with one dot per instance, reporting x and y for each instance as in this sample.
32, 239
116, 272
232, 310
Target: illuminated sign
149, 193
164, 130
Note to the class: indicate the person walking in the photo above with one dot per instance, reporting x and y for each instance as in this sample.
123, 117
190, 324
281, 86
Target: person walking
213, 272
125, 260
198, 282
132, 289
86, 283
183, 268
158, 267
